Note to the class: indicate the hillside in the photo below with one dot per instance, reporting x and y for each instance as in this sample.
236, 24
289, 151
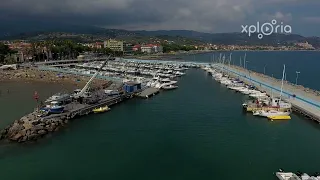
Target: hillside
40, 31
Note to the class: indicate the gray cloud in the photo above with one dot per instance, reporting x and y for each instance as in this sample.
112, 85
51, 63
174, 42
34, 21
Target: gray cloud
201, 15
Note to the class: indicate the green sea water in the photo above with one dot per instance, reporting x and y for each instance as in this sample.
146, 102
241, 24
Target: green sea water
197, 131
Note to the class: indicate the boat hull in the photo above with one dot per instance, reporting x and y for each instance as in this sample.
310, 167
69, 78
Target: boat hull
270, 114
56, 110
101, 110
251, 109
279, 117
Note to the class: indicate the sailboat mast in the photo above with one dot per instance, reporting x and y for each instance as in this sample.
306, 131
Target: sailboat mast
283, 73
244, 60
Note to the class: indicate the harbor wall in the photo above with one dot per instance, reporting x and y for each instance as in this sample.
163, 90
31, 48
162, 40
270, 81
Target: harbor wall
304, 102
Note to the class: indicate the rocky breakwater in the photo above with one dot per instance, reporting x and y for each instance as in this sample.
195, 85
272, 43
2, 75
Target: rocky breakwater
31, 127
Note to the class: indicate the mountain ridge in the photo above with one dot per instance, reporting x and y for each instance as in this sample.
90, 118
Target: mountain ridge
24, 30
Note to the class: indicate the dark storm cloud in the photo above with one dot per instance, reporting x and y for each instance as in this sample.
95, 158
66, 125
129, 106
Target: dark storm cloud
202, 15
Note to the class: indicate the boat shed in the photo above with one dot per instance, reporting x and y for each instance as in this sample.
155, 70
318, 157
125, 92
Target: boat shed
132, 87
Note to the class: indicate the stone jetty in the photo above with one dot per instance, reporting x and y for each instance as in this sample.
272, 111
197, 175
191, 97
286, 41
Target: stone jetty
31, 127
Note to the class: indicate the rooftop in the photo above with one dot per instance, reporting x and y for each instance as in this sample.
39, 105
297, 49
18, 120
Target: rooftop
131, 83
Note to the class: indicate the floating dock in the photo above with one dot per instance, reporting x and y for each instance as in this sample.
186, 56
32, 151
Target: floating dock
148, 92
303, 100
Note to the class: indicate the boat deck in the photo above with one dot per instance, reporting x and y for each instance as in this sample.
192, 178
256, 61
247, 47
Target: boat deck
76, 108
303, 100
148, 92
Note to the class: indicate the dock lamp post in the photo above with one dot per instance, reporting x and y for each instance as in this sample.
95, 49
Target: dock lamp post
297, 72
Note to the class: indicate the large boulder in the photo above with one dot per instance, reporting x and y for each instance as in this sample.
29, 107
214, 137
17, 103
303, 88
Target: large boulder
42, 132
16, 137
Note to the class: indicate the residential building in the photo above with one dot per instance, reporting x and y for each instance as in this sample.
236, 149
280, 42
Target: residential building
158, 48
136, 47
97, 45
305, 45
152, 48
128, 48
114, 45
147, 49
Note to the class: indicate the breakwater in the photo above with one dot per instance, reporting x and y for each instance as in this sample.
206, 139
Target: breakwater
304, 100
34, 126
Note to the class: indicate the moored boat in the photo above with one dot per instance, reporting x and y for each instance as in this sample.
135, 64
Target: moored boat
53, 108
101, 109
279, 117
169, 87
58, 97
270, 113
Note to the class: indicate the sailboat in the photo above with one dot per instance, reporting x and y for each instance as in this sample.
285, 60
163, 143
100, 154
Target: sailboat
275, 114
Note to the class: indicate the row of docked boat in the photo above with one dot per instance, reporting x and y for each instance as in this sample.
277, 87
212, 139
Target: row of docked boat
161, 76
259, 103
155, 82
296, 176
126, 67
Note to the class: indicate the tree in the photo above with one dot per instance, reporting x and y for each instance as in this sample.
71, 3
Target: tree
4, 51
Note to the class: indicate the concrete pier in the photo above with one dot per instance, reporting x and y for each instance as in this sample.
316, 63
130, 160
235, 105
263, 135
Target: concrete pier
305, 101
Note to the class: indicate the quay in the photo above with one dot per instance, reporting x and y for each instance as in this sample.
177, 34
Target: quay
305, 102
76, 109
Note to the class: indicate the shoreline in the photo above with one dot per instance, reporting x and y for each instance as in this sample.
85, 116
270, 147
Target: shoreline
34, 75
177, 55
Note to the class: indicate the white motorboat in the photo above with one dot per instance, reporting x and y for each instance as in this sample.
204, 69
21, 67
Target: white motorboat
267, 113
158, 85
287, 176
226, 81
236, 87
168, 81
169, 87
258, 95
250, 91
242, 89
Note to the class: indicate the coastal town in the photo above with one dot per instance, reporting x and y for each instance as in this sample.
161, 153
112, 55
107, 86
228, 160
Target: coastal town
19, 51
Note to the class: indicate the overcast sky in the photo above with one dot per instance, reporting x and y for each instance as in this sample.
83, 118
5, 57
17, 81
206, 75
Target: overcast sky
200, 15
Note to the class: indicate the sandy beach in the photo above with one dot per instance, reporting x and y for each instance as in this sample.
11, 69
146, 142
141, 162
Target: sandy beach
34, 75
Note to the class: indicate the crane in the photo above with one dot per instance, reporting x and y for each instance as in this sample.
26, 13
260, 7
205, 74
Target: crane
86, 87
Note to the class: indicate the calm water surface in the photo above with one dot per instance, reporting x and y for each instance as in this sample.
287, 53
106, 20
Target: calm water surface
195, 132
305, 62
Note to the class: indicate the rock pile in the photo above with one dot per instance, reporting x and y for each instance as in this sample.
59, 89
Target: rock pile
31, 127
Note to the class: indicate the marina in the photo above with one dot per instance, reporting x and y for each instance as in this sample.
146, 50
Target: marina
263, 88
129, 79
196, 124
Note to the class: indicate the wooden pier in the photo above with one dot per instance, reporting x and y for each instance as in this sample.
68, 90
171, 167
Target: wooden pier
304, 101
148, 92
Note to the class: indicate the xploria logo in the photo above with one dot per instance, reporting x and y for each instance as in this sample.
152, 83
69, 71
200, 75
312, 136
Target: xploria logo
266, 29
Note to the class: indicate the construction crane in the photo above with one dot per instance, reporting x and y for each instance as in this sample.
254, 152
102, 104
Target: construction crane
86, 87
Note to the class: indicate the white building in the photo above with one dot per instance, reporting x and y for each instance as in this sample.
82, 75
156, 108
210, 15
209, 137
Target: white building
151, 48
147, 49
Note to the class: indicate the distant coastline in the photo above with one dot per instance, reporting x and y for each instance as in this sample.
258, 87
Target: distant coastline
177, 56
